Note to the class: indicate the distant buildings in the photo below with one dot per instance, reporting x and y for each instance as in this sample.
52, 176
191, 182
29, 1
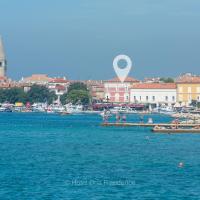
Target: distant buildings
150, 91
58, 85
153, 93
188, 88
117, 92
96, 88
40, 79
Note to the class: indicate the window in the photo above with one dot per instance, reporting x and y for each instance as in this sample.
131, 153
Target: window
189, 89
153, 98
147, 98
134, 98
127, 98
140, 98
166, 98
173, 98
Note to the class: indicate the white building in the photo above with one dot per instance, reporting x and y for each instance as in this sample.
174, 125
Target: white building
153, 93
58, 85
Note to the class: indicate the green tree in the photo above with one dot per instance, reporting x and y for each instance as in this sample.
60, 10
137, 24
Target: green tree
77, 86
167, 80
63, 98
39, 93
13, 95
76, 96
77, 93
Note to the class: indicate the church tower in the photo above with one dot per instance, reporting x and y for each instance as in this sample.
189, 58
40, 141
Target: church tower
2, 60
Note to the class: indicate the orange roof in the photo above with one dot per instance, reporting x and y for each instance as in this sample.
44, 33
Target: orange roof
38, 77
154, 86
59, 80
188, 78
60, 87
128, 79
3, 78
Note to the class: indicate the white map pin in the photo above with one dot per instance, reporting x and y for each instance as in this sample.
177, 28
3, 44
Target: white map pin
122, 73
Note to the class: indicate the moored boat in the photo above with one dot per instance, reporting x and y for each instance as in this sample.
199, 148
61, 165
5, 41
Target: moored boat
161, 129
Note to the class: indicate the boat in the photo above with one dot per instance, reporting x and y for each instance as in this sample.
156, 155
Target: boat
161, 129
167, 110
123, 110
75, 109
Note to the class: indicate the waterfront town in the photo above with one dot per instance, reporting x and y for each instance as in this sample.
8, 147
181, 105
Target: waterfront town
134, 94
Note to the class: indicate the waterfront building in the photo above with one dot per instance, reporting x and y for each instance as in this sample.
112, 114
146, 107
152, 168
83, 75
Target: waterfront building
116, 91
96, 89
188, 88
40, 79
2, 60
58, 85
153, 93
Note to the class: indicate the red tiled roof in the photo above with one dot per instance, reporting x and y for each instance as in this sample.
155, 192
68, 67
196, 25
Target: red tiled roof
60, 87
128, 79
154, 86
188, 79
37, 77
59, 80
3, 78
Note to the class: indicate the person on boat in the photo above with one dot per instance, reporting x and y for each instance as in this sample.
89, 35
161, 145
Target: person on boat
124, 118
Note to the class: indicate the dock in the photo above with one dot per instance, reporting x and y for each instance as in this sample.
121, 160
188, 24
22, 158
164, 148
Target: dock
147, 125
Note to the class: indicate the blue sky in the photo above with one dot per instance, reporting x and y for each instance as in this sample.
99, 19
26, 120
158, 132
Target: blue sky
80, 38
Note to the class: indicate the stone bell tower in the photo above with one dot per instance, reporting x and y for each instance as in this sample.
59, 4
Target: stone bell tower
2, 60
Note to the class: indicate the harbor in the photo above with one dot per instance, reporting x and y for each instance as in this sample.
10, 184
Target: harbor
148, 125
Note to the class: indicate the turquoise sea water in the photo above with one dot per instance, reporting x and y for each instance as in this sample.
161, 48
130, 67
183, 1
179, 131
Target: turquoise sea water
46, 156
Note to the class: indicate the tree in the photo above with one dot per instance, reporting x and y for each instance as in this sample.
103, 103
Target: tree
77, 93
63, 98
167, 80
76, 96
39, 93
13, 95
77, 86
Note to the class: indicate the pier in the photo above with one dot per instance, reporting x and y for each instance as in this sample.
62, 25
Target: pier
148, 125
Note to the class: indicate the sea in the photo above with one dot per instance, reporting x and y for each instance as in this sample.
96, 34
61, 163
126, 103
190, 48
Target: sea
72, 157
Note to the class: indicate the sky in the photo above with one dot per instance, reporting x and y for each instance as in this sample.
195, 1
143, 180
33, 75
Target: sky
80, 38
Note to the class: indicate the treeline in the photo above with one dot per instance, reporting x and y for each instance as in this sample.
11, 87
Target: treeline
77, 93
35, 94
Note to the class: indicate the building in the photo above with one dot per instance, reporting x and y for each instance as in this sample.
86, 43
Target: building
153, 93
40, 79
96, 88
58, 85
118, 92
2, 60
188, 88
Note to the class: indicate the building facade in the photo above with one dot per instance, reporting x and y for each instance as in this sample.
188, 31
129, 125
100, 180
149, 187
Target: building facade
116, 91
40, 79
2, 60
153, 93
58, 85
96, 89
188, 88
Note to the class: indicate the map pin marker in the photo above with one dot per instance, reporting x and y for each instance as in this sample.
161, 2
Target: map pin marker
122, 73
